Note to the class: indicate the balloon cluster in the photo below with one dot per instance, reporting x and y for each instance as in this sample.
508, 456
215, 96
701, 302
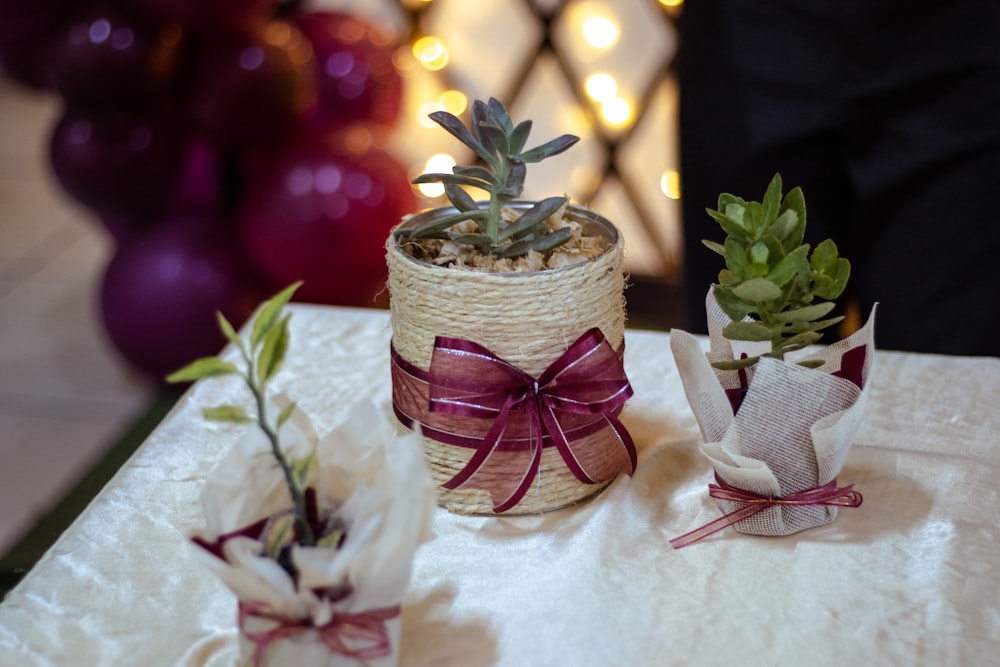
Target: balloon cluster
230, 147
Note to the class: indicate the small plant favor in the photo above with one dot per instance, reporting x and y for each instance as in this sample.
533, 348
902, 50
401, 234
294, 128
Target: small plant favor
777, 416
314, 536
508, 325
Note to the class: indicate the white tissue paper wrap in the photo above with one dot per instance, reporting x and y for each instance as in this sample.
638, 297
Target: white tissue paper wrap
794, 427
386, 498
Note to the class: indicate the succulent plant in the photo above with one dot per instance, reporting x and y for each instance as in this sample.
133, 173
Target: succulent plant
772, 288
496, 141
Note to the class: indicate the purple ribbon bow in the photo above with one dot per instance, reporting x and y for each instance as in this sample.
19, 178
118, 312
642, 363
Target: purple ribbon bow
508, 416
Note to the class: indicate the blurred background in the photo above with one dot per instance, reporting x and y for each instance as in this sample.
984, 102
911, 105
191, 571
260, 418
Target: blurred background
164, 159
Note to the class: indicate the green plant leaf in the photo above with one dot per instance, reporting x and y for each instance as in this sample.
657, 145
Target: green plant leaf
772, 199
302, 470
737, 260
455, 128
824, 257
735, 308
749, 331
727, 279
799, 341
800, 327
791, 264
811, 363
286, 414
735, 364
514, 185
731, 227
757, 290
270, 313
806, 313
549, 148
460, 198
454, 180
717, 248
795, 201
202, 368
435, 226
534, 216
228, 330
783, 227
496, 113
273, 350
476, 173
495, 136
232, 414
519, 137
549, 241
279, 534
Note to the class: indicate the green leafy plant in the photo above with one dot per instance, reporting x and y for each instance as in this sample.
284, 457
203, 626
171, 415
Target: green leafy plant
263, 354
496, 141
772, 288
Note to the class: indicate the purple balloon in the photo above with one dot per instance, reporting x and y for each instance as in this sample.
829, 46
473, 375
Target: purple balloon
123, 165
321, 215
105, 60
161, 291
356, 80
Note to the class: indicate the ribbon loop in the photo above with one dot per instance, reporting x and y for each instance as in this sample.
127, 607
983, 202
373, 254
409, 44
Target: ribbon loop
827, 494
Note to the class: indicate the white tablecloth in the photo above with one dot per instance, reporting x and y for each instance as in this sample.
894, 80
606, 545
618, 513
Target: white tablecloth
912, 577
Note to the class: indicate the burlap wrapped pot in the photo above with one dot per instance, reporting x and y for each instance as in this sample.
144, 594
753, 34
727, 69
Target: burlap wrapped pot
529, 319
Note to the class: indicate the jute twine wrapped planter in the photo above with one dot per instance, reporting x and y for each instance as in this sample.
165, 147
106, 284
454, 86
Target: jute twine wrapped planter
528, 319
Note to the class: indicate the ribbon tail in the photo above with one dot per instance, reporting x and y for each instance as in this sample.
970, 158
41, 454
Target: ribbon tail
467, 475
721, 523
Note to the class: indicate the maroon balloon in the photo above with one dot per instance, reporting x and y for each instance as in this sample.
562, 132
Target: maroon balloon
104, 60
207, 15
161, 290
318, 214
356, 80
250, 88
27, 27
116, 164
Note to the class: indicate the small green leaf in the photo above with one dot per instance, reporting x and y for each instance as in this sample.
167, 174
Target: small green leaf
538, 213
749, 331
805, 314
541, 244
549, 148
783, 227
476, 173
270, 313
434, 226
811, 363
272, 353
800, 327
519, 137
737, 259
731, 227
717, 248
302, 470
460, 198
733, 307
232, 414
454, 126
495, 136
735, 364
772, 199
795, 201
279, 534
203, 368
757, 290
228, 330
286, 414
791, 264
497, 114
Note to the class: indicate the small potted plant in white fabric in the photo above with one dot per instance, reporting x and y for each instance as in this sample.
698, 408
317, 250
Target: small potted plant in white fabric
314, 535
777, 416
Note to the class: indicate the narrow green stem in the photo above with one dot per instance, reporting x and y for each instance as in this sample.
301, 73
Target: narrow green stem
298, 497
501, 171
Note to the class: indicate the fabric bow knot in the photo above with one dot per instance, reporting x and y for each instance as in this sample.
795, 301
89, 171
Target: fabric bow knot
361, 636
577, 395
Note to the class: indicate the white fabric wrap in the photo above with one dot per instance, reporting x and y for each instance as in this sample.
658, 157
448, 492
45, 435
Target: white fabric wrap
793, 429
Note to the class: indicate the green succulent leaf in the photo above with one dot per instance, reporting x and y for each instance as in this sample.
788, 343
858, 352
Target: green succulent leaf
519, 137
540, 244
460, 198
495, 137
549, 148
497, 114
735, 364
435, 227
748, 331
790, 265
476, 173
286, 414
202, 368
757, 290
454, 126
772, 199
533, 217
731, 227
734, 307
805, 313
717, 248
453, 179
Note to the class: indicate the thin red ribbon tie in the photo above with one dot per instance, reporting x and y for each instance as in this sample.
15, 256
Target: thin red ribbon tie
488, 386
827, 494
361, 636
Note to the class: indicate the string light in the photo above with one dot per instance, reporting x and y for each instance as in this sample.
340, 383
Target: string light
600, 32
601, 87
440, 163
670, 184
616, 111
430, 53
